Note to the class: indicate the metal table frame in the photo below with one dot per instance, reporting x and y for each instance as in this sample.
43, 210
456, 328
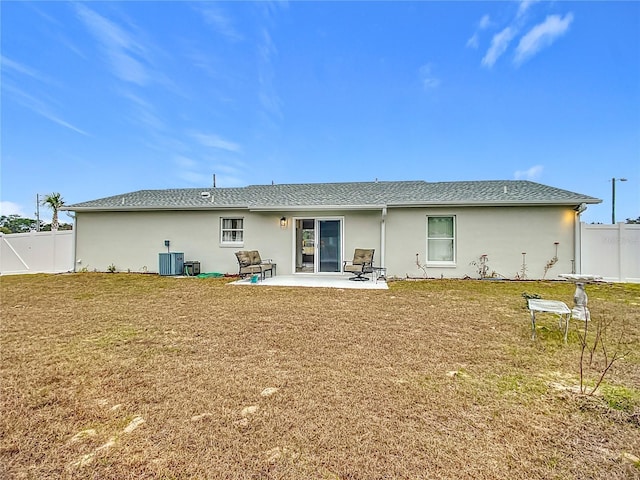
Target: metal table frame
379, 272
549, 306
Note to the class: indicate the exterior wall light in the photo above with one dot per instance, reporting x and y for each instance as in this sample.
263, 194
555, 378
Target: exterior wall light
283, 222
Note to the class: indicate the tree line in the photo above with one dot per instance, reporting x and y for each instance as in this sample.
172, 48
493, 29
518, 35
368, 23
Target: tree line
17, 224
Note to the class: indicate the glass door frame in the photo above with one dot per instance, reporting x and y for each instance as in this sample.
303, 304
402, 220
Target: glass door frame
316, 253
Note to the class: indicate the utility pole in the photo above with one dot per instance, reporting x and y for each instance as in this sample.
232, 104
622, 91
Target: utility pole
37, 212
613, 198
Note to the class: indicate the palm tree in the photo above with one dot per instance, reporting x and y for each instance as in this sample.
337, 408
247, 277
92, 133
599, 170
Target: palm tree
54, 201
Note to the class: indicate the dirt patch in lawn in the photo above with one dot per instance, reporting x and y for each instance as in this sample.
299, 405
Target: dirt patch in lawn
140, 376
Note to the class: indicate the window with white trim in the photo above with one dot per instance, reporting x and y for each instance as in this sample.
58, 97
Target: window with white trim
231, 231
441, 240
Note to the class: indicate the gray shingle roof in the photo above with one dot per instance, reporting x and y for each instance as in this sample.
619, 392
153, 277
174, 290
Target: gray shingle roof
342, 195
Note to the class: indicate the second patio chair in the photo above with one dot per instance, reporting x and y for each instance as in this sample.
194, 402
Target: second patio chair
361, 264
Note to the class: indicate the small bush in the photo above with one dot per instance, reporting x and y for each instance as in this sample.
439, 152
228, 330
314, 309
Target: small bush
528, 296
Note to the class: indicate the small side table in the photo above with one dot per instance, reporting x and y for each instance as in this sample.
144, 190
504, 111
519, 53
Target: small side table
379, 272
549, 306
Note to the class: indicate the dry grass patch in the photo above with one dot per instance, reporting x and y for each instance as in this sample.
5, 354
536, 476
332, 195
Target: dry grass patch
139, 376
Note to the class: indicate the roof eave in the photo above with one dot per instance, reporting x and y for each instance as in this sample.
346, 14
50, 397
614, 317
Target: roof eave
495, 203
125, 208
297, 208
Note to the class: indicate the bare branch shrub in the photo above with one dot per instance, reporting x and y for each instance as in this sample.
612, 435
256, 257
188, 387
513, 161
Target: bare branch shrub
599, 352
421, 266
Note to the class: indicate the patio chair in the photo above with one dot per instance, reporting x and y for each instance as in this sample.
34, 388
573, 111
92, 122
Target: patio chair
250, 263
361, 264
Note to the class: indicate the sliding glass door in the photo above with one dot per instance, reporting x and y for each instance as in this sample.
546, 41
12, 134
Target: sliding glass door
329, 251
318, 245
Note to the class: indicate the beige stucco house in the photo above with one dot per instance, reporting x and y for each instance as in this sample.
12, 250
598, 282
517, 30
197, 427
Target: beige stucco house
310, 229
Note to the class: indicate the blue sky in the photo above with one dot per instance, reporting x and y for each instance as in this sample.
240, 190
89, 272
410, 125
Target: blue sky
102, 98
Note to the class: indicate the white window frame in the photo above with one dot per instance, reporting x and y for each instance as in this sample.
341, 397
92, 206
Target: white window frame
231, 243
442, 263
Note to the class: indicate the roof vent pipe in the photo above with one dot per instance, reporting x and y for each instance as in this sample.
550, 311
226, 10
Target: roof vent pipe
505, 189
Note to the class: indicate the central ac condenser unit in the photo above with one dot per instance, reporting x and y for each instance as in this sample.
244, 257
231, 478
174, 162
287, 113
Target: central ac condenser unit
171, 263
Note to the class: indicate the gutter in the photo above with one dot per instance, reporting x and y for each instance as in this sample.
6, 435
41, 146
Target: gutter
297, 208
496, 203
154, 208
74, 247
577, 239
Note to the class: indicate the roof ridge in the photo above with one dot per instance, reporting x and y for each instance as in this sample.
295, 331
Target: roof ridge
372, 182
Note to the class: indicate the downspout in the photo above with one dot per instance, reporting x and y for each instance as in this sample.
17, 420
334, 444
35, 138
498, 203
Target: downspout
75, 239
383, 236
577, 239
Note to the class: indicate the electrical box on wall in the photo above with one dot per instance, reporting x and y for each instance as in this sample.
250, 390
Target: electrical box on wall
171, 263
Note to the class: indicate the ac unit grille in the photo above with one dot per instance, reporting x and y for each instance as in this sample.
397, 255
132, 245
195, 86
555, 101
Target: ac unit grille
171, 263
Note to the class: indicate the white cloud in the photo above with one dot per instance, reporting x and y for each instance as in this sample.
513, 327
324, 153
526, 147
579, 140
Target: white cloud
428, 79
268, 95
38, 106
11, 67
72, 46
128, 68
532, 173
542, 35
143, 113
11, 208
184, 162
473, 41
524, 6
61, 122
267, 48
194, 178
221, 23
214, 141
18, 67
483, 24
228, 172
120, 47
499, 44
227, 169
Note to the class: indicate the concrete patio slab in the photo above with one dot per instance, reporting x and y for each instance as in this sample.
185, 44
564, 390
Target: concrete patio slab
322, 281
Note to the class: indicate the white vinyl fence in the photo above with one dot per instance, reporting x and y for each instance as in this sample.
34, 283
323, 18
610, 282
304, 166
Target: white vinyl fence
36, 252
611, 251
